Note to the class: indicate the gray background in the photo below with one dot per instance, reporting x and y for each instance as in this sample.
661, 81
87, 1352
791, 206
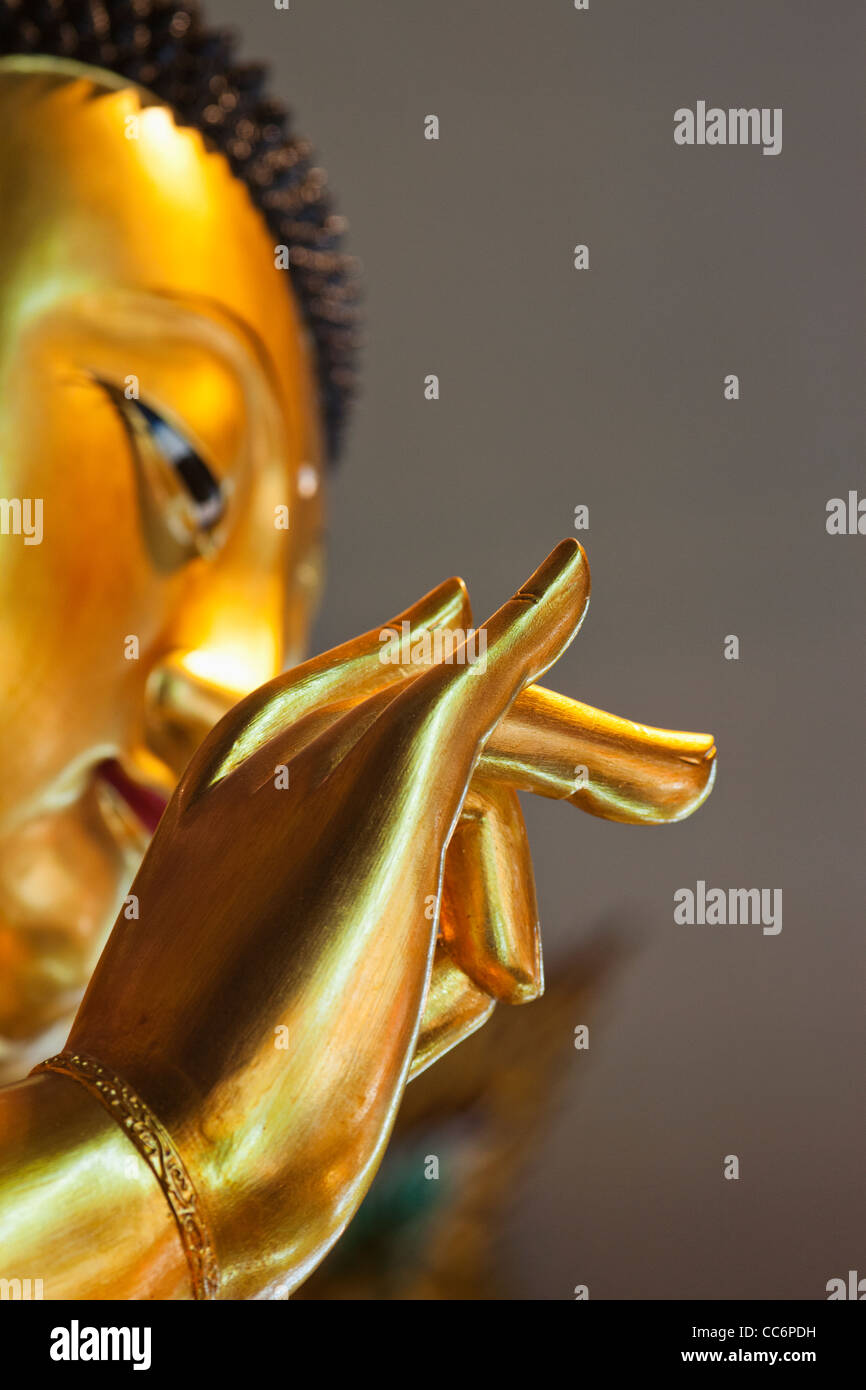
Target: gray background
706, 518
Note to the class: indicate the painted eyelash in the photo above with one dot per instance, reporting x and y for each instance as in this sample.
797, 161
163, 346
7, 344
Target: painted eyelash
203, 488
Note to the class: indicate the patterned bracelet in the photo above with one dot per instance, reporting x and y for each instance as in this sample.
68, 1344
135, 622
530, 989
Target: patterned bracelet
158, 1151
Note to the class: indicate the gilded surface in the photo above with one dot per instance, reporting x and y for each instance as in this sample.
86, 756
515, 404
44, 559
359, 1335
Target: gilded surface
339, 889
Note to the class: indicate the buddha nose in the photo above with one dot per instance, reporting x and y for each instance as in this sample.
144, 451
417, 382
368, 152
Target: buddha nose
187, 693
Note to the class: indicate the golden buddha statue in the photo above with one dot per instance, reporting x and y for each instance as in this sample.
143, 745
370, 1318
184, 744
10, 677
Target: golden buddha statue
243, 901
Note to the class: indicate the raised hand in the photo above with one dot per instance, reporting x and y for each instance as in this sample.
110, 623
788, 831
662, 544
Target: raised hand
338, 891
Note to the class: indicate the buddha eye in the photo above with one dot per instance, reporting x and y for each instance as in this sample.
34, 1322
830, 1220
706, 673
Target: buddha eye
184, 497
205, 499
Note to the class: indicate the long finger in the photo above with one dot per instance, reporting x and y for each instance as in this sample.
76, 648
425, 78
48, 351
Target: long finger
489, 921
608, 766
436, 726
560, 748
453, 1009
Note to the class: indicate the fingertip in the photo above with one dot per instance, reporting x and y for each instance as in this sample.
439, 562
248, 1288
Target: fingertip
546, 612
566, 564
447, 605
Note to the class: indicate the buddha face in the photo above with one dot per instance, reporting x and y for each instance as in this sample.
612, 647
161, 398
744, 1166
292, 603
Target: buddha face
160, 499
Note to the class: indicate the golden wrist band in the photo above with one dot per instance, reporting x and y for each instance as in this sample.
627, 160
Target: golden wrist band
156, 1148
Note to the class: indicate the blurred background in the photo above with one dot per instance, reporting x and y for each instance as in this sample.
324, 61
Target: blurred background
604, 388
